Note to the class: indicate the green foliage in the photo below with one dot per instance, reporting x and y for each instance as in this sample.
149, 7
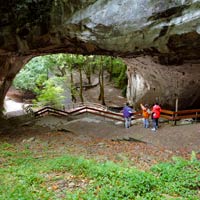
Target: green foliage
110, 181
32, 71
40, 73
51, 94
120, 77
24, 177
180, 178
38, 70
193, 156
43, 76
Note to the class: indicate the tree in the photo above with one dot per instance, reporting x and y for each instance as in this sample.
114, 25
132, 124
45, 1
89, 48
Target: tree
101, 81
80, 60
109, 65
87, 68
71, 64
32, 71
42, 68
51, 94
35, 73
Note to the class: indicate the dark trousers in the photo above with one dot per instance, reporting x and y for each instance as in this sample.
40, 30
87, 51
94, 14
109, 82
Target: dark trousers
155, 123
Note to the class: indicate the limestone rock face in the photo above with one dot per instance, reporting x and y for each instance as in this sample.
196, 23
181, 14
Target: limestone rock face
150, 82
128, 27
9, 67
169, 30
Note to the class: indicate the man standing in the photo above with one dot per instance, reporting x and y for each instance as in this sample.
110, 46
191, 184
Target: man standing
127, 113
155, 116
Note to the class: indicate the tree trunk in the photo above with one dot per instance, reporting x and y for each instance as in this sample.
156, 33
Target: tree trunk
102, 88
89, 78
99, 98
101, 84
72, 87
87, 69
111, 69
81, 83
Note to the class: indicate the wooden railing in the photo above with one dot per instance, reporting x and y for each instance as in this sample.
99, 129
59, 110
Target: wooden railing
88, 104
85, 109
99, 110
183, 114
167, 114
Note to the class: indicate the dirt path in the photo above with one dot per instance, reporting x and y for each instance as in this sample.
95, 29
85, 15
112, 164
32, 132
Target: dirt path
103, 140
168, 136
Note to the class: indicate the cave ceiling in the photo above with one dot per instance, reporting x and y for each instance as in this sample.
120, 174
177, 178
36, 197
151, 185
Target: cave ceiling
129, 28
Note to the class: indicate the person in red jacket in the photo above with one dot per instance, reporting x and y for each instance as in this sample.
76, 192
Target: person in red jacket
155, 116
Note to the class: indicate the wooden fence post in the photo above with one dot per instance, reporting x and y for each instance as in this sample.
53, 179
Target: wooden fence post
196, 117
176, 110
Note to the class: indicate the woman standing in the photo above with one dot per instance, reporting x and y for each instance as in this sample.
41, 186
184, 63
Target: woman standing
155, 116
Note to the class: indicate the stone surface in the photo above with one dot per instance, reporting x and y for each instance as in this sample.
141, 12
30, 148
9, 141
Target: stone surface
149, 81
128, 27
167, 29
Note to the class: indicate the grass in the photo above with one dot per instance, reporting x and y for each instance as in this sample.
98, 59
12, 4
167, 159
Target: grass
24, 177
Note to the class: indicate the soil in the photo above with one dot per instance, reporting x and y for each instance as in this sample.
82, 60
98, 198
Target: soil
98, 138
95, 137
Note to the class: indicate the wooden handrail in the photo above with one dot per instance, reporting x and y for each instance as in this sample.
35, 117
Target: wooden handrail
167, 112
100, 110
187, 116
187, 111
183, 114
81, 110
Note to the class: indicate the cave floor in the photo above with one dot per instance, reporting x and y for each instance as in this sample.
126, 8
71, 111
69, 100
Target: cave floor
95, 137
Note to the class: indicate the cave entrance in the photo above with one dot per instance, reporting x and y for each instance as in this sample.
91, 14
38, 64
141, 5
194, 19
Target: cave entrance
60, 79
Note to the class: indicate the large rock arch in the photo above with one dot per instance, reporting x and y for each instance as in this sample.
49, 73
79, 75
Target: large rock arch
169, 31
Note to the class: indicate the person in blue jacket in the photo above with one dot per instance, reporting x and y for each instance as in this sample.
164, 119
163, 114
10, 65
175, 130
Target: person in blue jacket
127, 113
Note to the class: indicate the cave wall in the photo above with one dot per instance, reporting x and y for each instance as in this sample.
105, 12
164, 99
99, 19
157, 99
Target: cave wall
168, 30
150, 82
10, 66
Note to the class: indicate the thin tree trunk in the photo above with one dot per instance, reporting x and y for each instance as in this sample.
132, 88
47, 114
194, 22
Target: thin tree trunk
87, 70
89, 78
101, 82
102, 87
111, 69
81, 83
72, 86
